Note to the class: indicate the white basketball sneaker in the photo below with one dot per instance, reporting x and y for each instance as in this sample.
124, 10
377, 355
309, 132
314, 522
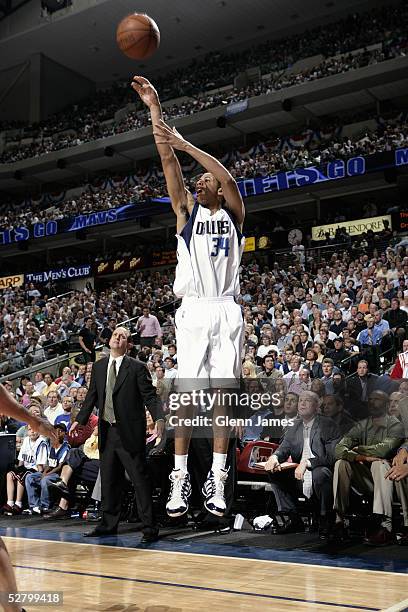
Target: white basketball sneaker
213, 491
180, 491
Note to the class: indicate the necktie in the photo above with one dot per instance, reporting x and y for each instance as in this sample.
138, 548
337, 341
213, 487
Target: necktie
109, 414
307, 454
363, 390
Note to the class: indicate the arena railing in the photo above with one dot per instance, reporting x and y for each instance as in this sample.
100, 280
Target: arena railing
53, 366
66, 348
286, 257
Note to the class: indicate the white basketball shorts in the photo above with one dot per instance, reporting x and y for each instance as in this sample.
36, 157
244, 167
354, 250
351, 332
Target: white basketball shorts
209, 334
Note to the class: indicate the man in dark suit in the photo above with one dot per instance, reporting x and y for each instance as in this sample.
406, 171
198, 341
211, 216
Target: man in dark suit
310, 442
120, 388
358, 390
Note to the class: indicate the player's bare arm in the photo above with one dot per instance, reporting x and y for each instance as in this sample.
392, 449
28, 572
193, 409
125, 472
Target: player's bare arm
11, 408
181, 201
233, 199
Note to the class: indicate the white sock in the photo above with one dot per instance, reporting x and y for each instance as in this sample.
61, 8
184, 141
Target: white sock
19, 504
219, 461
10, 502
180, 462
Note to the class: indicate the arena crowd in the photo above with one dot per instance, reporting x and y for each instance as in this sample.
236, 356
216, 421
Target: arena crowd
327, 340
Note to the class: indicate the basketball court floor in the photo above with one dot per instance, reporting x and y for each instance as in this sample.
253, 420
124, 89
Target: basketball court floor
219, 573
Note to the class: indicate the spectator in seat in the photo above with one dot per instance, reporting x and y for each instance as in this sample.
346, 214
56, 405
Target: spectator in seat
333, 407
358, 390
170, 369
29, 391
363, 458
398, 474
328, 368
32, 457
310, 442
303, 383
288, 409
285, 337
15, 359
39, 384
54, 407
339, 353
35, 353
67, 383
269, 374
67, 405
370, 336
338, 324
37, 483
293, 376
248, 370
397, 319
400, 369
82, 464
394, 406
80, 376
50, 384
265, 347
314, 366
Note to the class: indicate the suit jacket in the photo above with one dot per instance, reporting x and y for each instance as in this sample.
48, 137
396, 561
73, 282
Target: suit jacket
133, 391
324, 436
354, 391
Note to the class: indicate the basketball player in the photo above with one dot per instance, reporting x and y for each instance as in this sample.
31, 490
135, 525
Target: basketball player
9, 407
209, 323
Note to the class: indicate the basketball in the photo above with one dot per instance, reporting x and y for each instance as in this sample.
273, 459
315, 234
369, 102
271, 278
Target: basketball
138, 36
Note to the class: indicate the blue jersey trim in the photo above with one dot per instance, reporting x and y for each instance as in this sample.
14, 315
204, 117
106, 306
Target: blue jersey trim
235, 224
187, 231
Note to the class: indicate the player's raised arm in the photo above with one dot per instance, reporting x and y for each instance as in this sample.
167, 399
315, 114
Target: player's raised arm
11, 408
181, 201
164, 135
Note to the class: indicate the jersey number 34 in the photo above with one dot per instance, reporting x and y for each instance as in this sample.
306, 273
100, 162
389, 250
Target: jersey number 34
220, 244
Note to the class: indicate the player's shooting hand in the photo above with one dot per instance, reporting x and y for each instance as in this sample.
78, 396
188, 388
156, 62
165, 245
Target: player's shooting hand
164, 134
146, 91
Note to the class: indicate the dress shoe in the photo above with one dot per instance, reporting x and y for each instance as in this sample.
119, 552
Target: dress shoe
326, 525
381, 537
61, 487
149, 538
99, 532
293, 525
57, 514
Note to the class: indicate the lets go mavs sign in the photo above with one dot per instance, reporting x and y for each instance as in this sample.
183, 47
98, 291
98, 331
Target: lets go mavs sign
332, 171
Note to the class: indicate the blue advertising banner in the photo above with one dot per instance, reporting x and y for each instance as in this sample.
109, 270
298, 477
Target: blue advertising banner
332, 171
299, 177
73, 224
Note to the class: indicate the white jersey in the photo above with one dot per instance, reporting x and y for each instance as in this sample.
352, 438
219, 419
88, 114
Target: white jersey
209, 252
